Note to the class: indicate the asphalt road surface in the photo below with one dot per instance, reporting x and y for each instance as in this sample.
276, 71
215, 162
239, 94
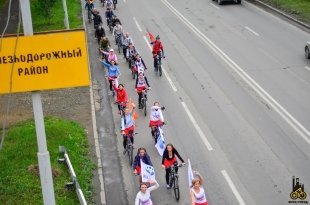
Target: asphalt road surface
236, 88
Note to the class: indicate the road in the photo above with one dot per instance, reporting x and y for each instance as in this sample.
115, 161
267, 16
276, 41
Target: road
236, 89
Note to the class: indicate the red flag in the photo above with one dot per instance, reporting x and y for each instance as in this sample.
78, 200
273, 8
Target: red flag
151, 37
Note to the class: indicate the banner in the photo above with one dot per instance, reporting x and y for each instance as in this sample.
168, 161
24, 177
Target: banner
151, 37
147, 172
190, 174
160, 145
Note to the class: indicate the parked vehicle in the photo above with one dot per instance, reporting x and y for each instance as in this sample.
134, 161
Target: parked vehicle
220, 2
307, 49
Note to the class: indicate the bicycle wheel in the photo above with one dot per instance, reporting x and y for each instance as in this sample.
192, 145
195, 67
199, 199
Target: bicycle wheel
142, 103
159, 70
89, 16
145, 112
133, 72
176, 188
171, 179
119, 45
130, 154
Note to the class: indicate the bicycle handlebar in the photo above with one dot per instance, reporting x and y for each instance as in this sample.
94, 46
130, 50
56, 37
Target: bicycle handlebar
178, 165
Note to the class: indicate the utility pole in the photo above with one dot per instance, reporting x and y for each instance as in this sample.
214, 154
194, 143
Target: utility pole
64, 5
43, 154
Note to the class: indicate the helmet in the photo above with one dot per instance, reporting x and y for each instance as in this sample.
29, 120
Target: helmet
157, 37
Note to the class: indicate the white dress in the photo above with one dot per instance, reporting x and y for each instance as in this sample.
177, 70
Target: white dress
145, 198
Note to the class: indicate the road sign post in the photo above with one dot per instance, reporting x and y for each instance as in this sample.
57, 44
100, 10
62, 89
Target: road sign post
43, 154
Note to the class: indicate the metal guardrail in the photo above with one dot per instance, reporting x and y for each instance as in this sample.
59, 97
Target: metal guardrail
74, 182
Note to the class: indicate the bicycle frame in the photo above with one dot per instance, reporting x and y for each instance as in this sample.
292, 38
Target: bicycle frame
174, 180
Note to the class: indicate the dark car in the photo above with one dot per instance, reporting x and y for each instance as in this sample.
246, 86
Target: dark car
307, 49
220, 2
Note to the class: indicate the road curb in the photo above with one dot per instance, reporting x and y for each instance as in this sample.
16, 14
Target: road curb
281, 13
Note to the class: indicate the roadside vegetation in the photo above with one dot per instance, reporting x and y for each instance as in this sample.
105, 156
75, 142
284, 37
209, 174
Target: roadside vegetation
48, 14
19, 175
1, 3
300, 9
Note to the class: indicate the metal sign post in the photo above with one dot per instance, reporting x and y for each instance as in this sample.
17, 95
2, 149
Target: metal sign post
66, 19
43, 154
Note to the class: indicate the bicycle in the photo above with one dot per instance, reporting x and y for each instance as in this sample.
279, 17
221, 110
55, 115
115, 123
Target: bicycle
110, 24
122, 107
156, 131
114, 4
174, 179
157, 59
115, 81
131, 63
89, 13
129, 146
143, 101
118, 41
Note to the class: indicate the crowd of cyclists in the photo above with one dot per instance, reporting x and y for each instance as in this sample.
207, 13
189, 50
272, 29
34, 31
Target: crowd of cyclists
136, 65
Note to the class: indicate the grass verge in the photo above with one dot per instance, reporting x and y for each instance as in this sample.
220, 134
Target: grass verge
56, 22
300, 9
2, 3
19, 180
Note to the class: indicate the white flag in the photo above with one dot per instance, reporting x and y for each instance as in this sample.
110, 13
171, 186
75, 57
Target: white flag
160, 144
147, 172
190, 173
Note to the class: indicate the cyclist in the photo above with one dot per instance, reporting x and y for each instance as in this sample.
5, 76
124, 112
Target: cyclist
111, 56
197, 192
156, 118
97, 18
144, 195
121, 96
141, 85
126, 41
130, 55
99, 33
157, 47
118, 32
109, 4
89, 5
139, 64
128, 126
169, 159
114, 4
115, 20
109, 15
141, 154
113, 72
104, 45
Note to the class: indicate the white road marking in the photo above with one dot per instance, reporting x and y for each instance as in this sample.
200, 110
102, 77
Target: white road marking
137, 24
306, 67
251, 30
147, 43
214, 6
233, 187
286, 116
174, 88
169, 79
200, 132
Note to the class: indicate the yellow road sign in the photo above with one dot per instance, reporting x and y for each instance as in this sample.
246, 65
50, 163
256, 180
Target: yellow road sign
44, 61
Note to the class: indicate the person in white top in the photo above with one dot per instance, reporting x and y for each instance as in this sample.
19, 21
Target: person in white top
197, 192
144, 195
156, 117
